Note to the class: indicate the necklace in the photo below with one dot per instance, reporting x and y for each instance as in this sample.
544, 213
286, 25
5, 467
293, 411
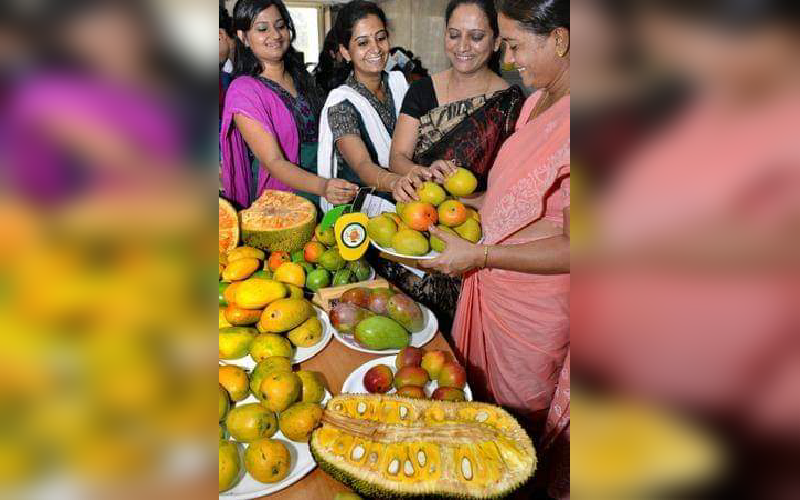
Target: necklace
450, 81
540, 105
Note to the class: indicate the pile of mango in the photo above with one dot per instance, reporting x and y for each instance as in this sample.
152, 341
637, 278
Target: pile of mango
324, 264
378, 318
406, 231
274, 303
288, 402
318, 265
416, 369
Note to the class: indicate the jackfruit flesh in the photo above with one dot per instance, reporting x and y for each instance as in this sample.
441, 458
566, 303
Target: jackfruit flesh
386, 446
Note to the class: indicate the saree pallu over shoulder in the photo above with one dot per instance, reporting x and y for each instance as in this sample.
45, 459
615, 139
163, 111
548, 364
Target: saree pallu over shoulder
512, 328
470, 131
251, 98
530, 166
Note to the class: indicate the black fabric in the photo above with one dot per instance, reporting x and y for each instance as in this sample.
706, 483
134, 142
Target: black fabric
420, 98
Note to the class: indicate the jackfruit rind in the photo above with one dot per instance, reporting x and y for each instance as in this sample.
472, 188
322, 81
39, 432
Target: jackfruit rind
385, 446
278, 221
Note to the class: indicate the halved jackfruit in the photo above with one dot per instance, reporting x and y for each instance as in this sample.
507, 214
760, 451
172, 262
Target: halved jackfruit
390, 447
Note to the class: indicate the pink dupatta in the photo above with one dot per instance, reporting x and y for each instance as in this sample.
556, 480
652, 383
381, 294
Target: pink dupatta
511, 328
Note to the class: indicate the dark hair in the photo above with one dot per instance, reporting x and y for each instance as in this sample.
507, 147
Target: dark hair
346, 20
330, 72
247, 64
538, 16
488, 9
225, 22
413, 66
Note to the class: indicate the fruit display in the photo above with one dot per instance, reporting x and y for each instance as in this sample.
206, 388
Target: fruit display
377, 318
415, 373
267, 460
260, 409
406, 231
388, 447
261, 294
278, 221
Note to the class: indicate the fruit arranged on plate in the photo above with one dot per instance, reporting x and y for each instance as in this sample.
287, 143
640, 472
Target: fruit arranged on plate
415, 369
406, 231
288, 402
378, 318
383, 446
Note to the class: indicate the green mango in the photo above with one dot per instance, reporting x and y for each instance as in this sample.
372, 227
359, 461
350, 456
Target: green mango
222, 287
379, 332
342, 277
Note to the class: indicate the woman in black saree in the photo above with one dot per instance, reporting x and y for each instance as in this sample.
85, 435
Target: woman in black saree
459, 117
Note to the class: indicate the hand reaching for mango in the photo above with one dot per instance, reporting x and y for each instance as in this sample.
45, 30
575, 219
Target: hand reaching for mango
406, 230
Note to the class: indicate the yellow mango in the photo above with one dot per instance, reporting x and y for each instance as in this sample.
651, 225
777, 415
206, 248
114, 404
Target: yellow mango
242, 252
308, 334
223, 323
256, 293
285, 314
240, 269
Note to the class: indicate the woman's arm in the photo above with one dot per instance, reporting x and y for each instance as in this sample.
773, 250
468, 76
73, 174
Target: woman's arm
404, 140
356, 155
475, 201
266, 149
546, 256
413, 175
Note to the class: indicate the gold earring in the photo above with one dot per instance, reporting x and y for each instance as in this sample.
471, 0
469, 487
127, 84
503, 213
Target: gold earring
562, 53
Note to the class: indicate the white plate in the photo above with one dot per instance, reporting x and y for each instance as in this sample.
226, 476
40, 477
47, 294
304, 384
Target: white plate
355, 381
300, 353
430, 255
302, 463
418, 339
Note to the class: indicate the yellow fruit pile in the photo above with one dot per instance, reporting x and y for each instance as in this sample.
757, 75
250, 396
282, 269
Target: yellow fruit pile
407, 230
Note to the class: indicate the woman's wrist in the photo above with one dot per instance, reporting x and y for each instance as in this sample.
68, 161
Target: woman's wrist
323, 187
481, 256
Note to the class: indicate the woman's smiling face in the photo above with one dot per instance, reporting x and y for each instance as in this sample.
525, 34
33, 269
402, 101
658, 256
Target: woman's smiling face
469, 41
369, 46
269, 37
533, 55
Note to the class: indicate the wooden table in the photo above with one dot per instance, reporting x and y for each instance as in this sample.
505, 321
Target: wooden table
336, 362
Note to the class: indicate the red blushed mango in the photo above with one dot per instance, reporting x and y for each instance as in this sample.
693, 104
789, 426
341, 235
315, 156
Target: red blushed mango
411, 391
452, 375
378, 379
452, 213
448, 394
410, 375
358, 296
419, 215
312, 251
238, 316
433, 361
410, 356
278, 258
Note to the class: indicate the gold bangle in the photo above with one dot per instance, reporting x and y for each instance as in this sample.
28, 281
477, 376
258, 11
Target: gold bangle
485, 255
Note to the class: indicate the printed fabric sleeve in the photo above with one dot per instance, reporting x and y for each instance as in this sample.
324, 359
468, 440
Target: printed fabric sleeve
343, 120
